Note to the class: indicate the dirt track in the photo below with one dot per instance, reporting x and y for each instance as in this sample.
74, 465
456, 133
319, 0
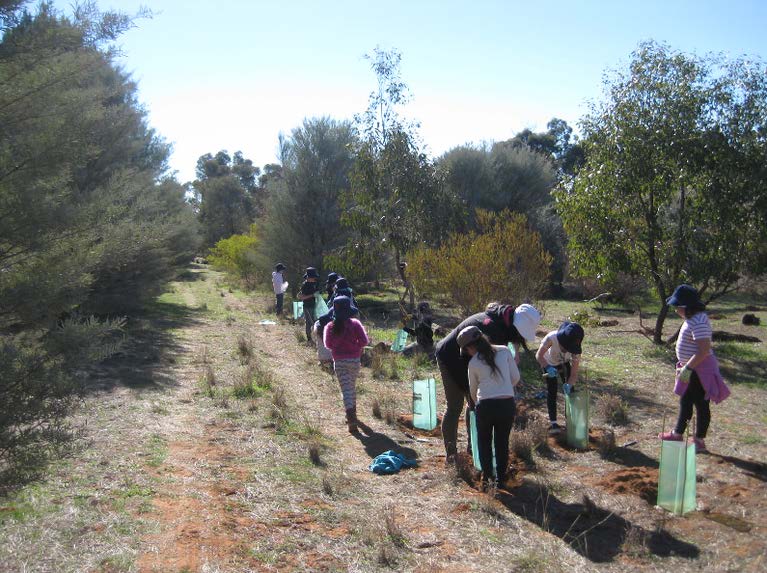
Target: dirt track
229, 489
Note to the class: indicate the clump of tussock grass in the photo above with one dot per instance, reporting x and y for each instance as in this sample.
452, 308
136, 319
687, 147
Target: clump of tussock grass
606, 444
377, 366
612, 409
387, 556
253, 382
300, 336
315, 453
209, 381
328, 486
376, 409
244, 349
394, 532
385, 407
527, 439
279, 412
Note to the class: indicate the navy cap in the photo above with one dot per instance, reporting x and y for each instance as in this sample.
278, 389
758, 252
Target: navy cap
570, 335
311, 273
685, 296
343, 308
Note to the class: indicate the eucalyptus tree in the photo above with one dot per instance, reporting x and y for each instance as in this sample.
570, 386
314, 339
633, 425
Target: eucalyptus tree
674, 188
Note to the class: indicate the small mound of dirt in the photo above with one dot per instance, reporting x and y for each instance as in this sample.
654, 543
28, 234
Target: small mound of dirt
406, 421
640, 481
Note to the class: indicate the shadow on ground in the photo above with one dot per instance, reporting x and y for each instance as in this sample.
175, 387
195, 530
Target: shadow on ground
148, 349
595, 533
376, 443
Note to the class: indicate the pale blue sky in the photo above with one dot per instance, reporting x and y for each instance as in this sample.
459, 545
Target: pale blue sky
233, 74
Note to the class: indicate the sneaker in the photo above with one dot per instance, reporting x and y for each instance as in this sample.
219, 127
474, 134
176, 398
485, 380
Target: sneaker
554, 428
700, 446
670, 437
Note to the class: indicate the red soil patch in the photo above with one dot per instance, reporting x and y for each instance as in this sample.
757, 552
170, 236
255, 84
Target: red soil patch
640, 481
735, 491
406, 421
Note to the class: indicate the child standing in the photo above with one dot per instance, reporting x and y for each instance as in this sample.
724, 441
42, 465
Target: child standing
559, 356
346, 337
309, 287
698, 379
279, 284
493, 374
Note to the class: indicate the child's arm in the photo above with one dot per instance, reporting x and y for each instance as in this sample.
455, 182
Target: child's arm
704, 349
473, 386
574, 364
513, 370
539, 355
363, 336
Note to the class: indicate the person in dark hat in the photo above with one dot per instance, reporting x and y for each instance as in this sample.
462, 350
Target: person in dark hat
559, 356
342, 288
330, 285
345, 337
309, 288
698, 380
280, 285
503, 324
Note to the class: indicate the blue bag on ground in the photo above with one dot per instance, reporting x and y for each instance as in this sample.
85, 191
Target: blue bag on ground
390, 462
425, 404
399, 341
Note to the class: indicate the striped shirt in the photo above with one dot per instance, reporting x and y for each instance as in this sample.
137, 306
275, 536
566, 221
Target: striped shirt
696, 328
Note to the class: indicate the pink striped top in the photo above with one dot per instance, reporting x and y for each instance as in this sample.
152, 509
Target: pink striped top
696, 328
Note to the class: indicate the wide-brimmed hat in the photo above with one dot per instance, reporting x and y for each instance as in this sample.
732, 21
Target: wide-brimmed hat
423, 306
332, 278
279, 267
570, 335
311, 273
685, 296
342, 283
343, 308
526, 320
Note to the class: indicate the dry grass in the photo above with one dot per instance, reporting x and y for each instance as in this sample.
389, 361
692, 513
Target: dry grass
612, 409
384, 406
530, 436
315, 453
244, 349
606, 444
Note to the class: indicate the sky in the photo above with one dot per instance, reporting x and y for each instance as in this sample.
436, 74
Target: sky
234, 74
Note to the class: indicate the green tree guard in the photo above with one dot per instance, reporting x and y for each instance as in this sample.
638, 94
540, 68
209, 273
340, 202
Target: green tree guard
425, 404
399, 341
577, 413
320, 307
676, 479
298, 310
474, 441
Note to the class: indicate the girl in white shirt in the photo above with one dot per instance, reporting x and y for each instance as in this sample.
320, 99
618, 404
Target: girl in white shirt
493, 374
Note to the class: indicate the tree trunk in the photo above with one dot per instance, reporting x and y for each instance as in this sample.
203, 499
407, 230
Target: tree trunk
658, 334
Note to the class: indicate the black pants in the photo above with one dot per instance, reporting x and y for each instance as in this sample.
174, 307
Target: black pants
309, 319
552, 387
694, 396
280, 298
494, 415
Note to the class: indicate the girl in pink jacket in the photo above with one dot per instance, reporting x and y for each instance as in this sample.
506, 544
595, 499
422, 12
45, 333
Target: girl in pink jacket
345, 337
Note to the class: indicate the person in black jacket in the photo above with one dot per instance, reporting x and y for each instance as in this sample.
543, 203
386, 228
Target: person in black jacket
423, 332
503, 324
